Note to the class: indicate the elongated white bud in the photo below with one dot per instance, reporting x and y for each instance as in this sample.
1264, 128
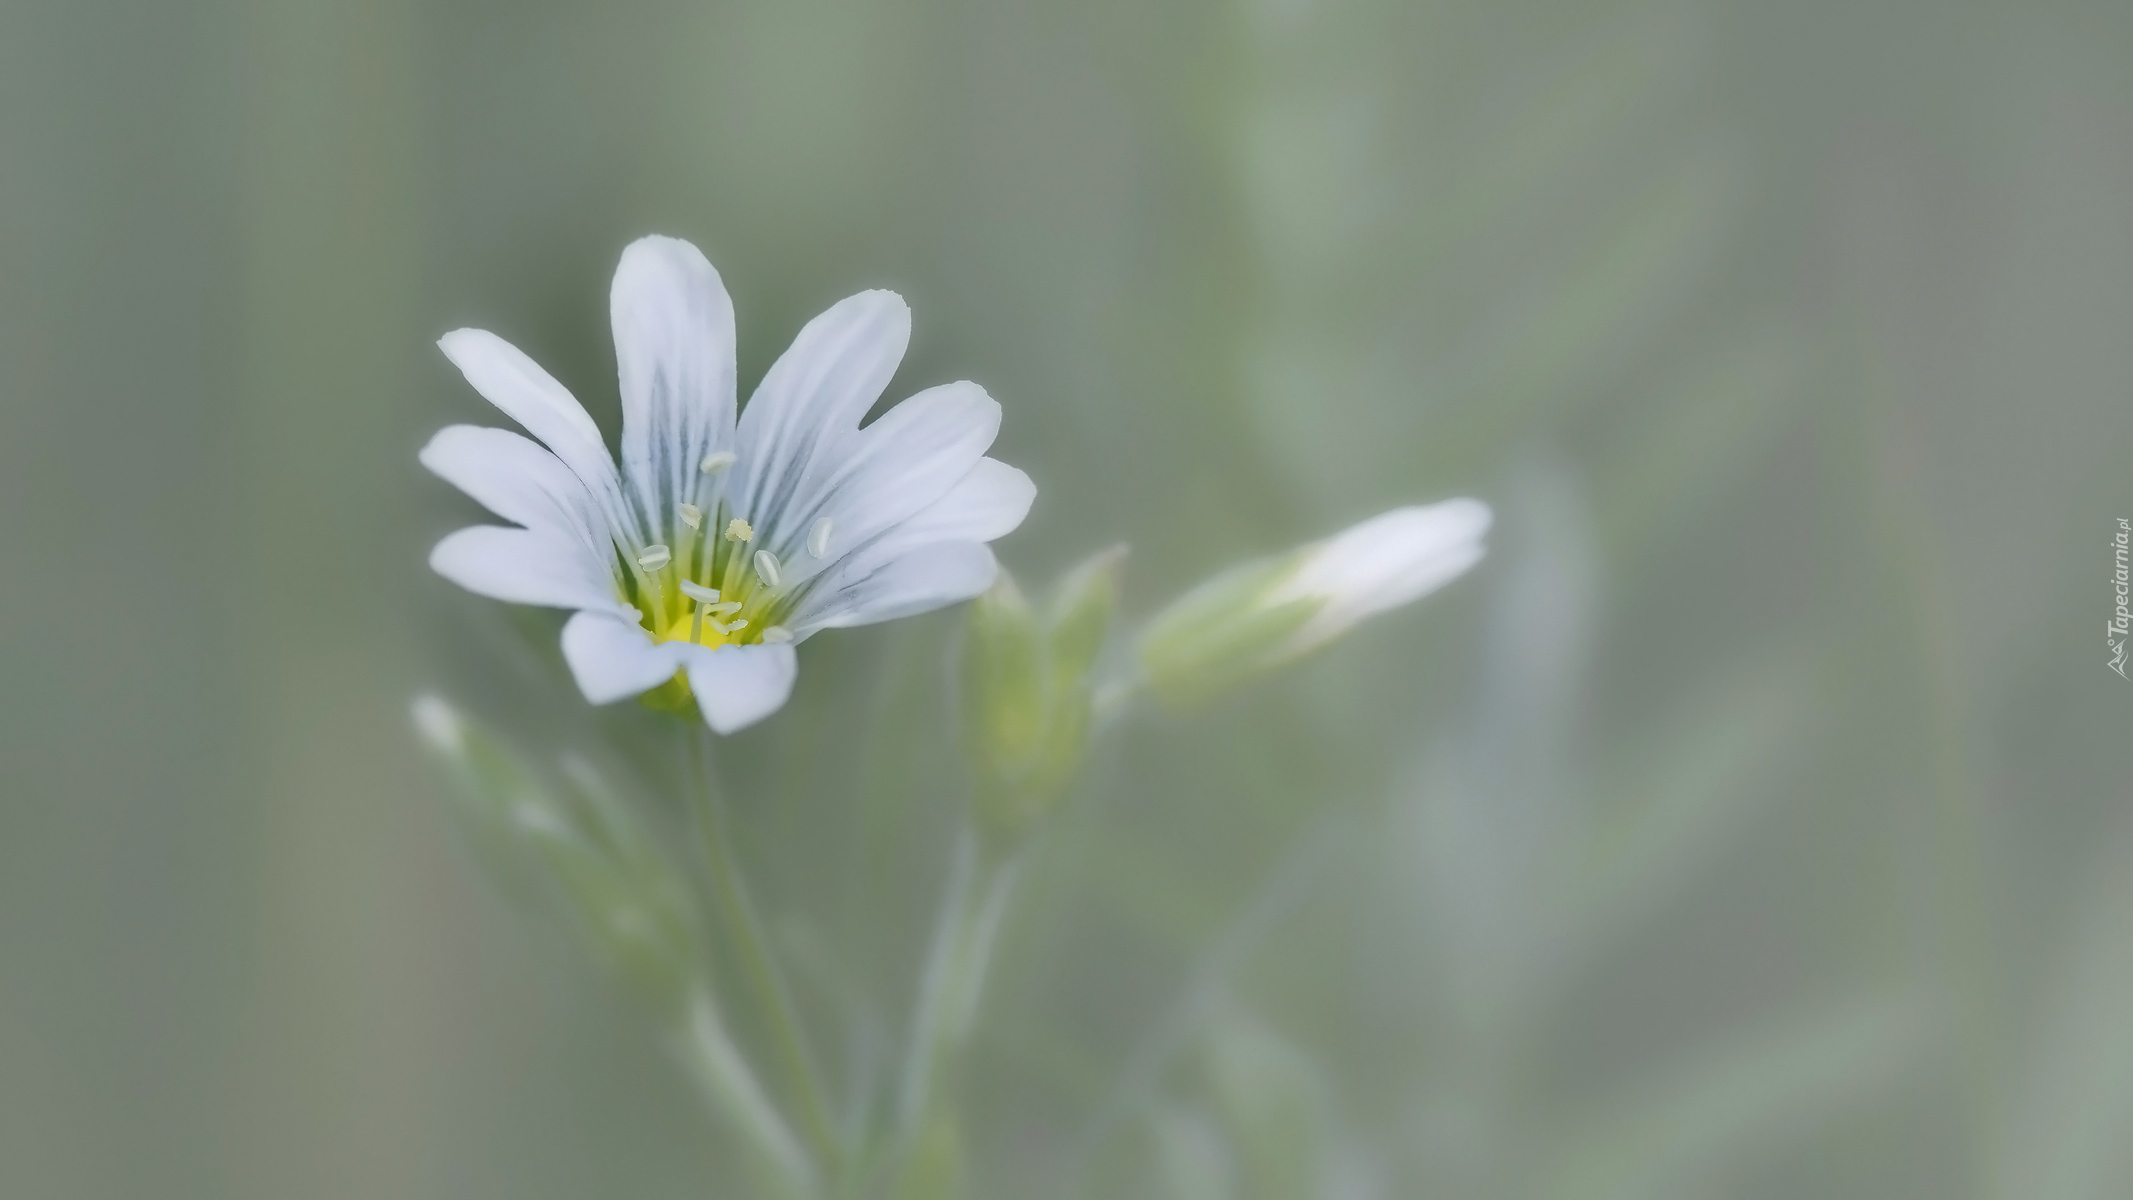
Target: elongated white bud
738, 530
655, 557
818, 538
716, 461
691, 516
777, 635
767, 568
1262, 614
698, 592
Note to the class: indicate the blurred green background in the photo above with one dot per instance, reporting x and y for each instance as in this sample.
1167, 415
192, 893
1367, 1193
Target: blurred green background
1753, 823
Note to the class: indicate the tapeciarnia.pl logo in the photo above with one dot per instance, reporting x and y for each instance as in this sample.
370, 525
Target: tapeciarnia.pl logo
2121, 620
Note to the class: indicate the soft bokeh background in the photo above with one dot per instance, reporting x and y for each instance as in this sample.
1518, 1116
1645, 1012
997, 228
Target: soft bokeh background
1754, 823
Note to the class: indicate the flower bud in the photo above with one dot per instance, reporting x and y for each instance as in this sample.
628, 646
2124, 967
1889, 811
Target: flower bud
1027, 691
1265, 613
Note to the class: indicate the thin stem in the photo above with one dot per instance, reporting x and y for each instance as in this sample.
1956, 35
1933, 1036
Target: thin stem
1165, 1040
716, 1065
921, 1051
758, 965
973, 908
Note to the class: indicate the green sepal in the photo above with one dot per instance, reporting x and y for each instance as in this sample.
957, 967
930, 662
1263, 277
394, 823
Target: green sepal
1027, 691
1079, 616
1223, 633
673, 696
1003, 680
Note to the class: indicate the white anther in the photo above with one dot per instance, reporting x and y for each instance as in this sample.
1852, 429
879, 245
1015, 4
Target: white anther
777, 635
730, 606
729, 628
767, 568
698, 592
737, 530
716, 461
818, 538
692, 516
654, 557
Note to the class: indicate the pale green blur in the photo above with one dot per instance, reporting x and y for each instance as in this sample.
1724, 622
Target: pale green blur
1753, 822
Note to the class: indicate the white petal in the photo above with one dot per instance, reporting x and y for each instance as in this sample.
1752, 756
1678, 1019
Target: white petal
1387, 561
514, 478
527, 394
736, 686
809, 403
921, 580
989, 502
910, 458
673, 326
613, 659
525, 566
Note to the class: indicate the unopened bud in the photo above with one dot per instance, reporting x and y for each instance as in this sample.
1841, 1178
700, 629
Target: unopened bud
1262, 614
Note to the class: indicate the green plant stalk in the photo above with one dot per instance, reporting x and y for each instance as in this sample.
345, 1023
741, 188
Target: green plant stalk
717, 1066
981, 885
758, 966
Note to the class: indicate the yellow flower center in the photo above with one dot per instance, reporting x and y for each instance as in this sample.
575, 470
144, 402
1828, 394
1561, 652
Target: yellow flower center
710, 586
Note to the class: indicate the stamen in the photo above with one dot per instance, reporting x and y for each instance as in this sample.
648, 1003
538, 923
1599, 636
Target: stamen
716, 461
767, 568
738, 530
692, 516
704, 598
655, 556
818, 538
777, 635
730, 606
727, 629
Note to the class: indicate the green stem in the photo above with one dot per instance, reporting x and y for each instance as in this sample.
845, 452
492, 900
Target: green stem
717, 1066
758, 966
980, 887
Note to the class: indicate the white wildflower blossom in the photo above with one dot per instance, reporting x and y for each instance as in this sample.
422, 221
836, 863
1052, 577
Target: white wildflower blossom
705, 500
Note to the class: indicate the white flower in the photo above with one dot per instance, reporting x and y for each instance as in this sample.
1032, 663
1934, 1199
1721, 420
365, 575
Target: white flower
720, 544
1259, 615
